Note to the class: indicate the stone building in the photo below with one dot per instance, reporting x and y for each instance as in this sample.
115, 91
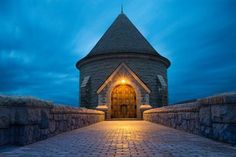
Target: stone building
123, 74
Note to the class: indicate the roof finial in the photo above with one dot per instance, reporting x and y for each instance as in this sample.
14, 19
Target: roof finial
122, 9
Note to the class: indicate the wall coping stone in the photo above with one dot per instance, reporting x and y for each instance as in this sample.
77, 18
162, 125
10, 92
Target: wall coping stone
31, 102
187, 107
224, 98
220, 99
73, 110
22, 101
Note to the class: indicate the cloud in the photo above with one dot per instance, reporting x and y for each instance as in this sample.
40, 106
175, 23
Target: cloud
41, 41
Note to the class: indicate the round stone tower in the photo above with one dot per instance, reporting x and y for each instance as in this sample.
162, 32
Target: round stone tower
123, 73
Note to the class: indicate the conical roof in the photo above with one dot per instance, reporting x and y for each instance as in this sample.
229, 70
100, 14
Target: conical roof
122, 36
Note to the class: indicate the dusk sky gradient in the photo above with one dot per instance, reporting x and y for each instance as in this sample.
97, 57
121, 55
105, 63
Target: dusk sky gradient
41, 41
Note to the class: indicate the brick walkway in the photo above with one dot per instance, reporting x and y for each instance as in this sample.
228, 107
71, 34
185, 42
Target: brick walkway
124, 138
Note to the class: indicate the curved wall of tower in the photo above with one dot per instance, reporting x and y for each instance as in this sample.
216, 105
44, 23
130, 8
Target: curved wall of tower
146, 67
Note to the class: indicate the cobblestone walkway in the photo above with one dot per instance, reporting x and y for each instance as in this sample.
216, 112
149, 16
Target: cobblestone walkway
124, 138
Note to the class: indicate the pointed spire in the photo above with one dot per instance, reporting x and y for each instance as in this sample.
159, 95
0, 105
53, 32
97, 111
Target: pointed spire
122, 11
122, 36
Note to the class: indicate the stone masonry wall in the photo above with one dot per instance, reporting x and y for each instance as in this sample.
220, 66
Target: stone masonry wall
213, 117
27, 120
146, 69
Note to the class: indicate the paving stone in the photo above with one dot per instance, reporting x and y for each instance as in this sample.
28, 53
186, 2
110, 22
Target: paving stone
124, 139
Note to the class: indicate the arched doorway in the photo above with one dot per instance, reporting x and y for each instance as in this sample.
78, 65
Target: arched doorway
123, 102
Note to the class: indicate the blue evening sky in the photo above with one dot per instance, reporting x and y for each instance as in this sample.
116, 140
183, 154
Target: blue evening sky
41, 40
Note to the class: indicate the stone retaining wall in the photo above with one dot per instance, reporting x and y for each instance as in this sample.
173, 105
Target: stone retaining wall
27, 120
213, 117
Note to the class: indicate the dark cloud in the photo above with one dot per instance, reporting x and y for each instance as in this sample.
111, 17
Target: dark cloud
40, 42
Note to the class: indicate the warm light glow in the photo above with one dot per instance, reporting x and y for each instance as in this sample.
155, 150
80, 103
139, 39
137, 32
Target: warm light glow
123, 81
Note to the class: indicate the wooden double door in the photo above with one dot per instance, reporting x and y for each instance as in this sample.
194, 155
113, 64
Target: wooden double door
123, 102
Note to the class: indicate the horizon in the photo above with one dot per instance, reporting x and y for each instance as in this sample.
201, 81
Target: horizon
40, 42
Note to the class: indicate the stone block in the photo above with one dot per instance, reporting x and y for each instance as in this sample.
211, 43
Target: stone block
27, 134
184, 124
225, 132
21, 116
227, 98
56, 116
51, 116
44, 133
62, 126
12, 115
44, 124
194, 116
205, 115
188, 115
206, 131
26, 116
4, 118
223, 113
34, 115
52, 126
4, 136
12, 134
192, 125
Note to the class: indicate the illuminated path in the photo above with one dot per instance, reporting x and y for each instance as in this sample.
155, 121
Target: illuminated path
124, 138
